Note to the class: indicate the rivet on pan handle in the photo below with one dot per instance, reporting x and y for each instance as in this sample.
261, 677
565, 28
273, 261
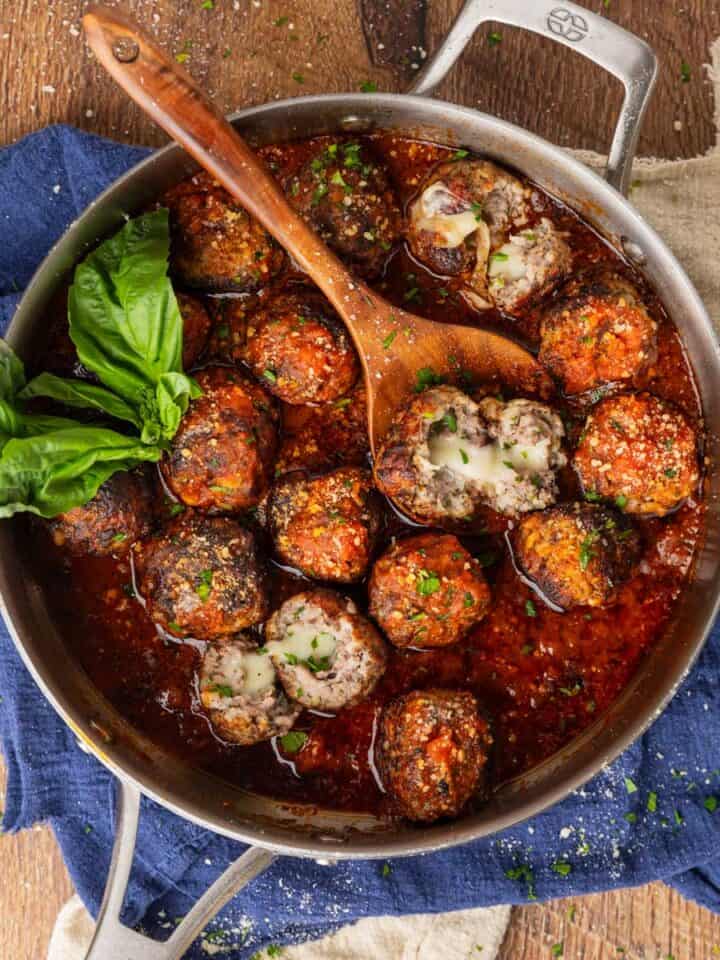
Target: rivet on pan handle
113, 940
619, 52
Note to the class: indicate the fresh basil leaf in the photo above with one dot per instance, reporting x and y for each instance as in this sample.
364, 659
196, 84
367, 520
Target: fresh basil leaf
53, 472
79, 393
126, 324
12, 372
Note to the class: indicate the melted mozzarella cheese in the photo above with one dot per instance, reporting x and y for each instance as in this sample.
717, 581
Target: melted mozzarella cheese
451, 229
510, 261
246, 673
304, 640
488, 465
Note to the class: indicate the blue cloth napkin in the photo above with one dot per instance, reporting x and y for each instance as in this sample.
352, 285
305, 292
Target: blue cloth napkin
650, 816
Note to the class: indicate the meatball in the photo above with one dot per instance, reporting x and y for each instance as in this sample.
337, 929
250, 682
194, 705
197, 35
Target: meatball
432, 749
301, 350
639, 451
597, 331
120, 513
576, 554
221, 457
427, 591
327, 526
471, 220
229, 331
321, 438
326, 654
446, 455
346, 196
196, 327
202, 577
215, 243
239, 690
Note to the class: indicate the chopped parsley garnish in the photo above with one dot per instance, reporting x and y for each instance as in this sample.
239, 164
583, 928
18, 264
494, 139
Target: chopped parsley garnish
205, 585
293, 741
530, 609
427, 583
685, 72
621, 501
298, 77
586, 549
494, 38
450, 421
557, 950
460, 155
292, 659
343, 402
207, 5
281, 21
630, 785
710, 804
223, 331
679, 819
670, 472
386, 870
338, 180
387, 342
426, 378
368, 86
270, 376
592, 496
562, 867
463, 455
652, 801
456, 555
571, 691
468, 600
524, 873
630, 817
526, 649
223, 689
119, 537
320, 191
500, 256
413, 294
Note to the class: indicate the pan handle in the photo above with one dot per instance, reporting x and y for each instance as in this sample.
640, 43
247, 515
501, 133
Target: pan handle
113, 940
619, 52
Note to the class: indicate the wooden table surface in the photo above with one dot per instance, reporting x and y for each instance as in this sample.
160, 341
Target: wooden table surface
251, 51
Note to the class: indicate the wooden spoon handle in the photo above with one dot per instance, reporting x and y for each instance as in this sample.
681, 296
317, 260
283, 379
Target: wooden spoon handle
178, 105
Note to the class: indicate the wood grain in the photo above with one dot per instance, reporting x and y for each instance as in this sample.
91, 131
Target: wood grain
249, 51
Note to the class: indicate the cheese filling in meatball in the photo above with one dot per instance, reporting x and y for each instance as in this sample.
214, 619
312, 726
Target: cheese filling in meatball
326, 654
240, 692
447, 455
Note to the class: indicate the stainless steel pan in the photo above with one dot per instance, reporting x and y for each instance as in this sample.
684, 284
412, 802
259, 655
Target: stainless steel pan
270, 827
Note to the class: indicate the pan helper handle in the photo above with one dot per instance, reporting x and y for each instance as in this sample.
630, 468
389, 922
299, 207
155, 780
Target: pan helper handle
621, 53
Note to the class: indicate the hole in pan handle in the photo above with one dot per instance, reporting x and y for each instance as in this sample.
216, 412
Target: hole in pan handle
113, 940
619, 52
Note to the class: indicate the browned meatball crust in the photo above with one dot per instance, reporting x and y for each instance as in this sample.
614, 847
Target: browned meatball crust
221, 458
326, 654
432, 749
640, 452
215, 243
596, 332
300, 349
576, 554
427, 591
120, 513
202, 577
196, 327
326, 527
346, 196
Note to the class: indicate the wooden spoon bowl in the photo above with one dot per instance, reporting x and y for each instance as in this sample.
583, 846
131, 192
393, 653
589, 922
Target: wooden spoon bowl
393, 345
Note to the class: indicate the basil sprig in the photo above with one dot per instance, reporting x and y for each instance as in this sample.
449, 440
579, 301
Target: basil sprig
127, 329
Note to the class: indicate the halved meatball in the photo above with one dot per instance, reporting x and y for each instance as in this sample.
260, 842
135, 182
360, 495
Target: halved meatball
576, 554
300, 349
120, 513
327, 526
432, 749
427, 591
446, 455
222, 455
196, 327
215, 243
344, 193
327, 655
471, 220
639, 451
597, 331
202, 577
239, 689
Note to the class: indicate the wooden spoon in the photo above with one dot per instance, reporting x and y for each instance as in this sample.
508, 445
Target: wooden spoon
393, 345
